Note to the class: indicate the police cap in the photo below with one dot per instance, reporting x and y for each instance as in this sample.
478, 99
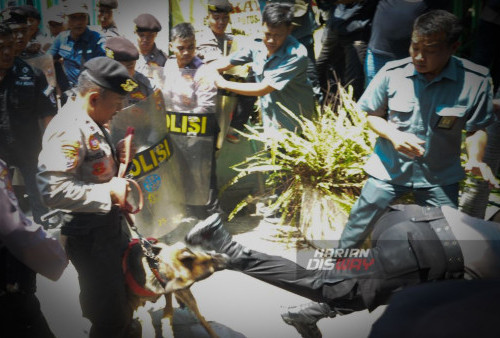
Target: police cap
121, 49
147, 22
113, 4
219, 6
75, 8
14, 15
110, 74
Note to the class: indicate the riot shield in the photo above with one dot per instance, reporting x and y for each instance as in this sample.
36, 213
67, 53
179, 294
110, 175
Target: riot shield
226, 100
46, 64
225, 107
152, 166
192, 135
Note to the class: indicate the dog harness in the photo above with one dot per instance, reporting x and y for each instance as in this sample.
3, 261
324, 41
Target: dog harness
153, 265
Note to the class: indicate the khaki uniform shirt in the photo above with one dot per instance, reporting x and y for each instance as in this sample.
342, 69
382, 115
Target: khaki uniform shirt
76, 162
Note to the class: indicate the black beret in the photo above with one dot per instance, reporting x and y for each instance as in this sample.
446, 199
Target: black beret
121, 49
14, 15
113, 4
31, 12
219, 6
110, 74
147, 22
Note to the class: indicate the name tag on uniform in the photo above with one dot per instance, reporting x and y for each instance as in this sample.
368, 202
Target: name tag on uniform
449, 115
66, 47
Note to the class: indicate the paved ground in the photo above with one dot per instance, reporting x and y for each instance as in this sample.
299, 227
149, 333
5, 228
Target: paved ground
243, 304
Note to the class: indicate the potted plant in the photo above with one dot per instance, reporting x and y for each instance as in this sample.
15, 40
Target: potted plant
316, 174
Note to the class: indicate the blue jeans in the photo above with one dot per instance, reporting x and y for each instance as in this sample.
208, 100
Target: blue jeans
377, 195
373, 63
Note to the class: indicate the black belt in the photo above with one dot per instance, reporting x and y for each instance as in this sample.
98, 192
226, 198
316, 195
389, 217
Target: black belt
435, 217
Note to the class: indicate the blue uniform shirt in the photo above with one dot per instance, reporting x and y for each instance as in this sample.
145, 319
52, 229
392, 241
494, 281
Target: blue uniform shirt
75, 53
436, 111
285, 71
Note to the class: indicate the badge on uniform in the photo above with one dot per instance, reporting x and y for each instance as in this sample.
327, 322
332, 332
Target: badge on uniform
129, 85
446, 122
448, 115
98, 168
93, 143
70, 151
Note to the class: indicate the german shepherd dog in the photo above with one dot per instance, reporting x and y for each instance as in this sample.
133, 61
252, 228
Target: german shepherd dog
172, 271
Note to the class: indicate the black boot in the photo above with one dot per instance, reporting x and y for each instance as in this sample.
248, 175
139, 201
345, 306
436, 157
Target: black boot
304, 318
210, 234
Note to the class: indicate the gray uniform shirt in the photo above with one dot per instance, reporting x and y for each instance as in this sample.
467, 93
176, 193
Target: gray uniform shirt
76, 162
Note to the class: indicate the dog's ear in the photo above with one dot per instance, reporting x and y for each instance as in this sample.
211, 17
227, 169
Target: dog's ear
186, 256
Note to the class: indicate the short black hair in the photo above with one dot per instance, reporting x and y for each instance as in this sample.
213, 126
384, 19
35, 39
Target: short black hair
277, 14
5, 30
182, 31
438, 21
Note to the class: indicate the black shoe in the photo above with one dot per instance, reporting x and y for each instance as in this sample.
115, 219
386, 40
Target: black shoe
304, 318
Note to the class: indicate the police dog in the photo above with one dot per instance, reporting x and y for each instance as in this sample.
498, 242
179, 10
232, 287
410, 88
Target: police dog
173, 270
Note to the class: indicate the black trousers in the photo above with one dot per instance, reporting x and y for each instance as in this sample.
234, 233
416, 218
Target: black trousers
405, 253
21, 317
97, 257
345, 55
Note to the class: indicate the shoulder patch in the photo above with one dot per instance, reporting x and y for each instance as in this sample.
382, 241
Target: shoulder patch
70, 151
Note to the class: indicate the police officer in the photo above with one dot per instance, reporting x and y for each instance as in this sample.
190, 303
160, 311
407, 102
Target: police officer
195, 96
411, 245
146, 29
124, 51
76, 45
33, 47
108, 27
77, 169
25, 105
213, 43
25, 250
55, 24
16, 19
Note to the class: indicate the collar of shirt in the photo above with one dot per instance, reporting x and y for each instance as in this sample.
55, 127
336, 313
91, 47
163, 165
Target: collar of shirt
153, 53
449, 71
194, 64
85, 37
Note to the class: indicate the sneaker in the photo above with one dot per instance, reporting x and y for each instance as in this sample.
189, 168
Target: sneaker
232, 136
304, 318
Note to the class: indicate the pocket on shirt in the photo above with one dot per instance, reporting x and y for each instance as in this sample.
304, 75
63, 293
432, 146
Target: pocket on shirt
448, 117
401, 112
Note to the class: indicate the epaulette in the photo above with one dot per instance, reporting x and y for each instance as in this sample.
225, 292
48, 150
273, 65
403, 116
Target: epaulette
474, 67
397, 63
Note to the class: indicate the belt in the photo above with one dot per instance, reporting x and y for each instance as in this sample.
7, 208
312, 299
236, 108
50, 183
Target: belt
435, 217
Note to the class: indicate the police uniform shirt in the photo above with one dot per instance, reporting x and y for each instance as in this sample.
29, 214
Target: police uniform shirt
24, 100
155, 58
143, 90
189, 88
436, 111
75, 53
285, 71
109, 32
75, 161
209, 47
